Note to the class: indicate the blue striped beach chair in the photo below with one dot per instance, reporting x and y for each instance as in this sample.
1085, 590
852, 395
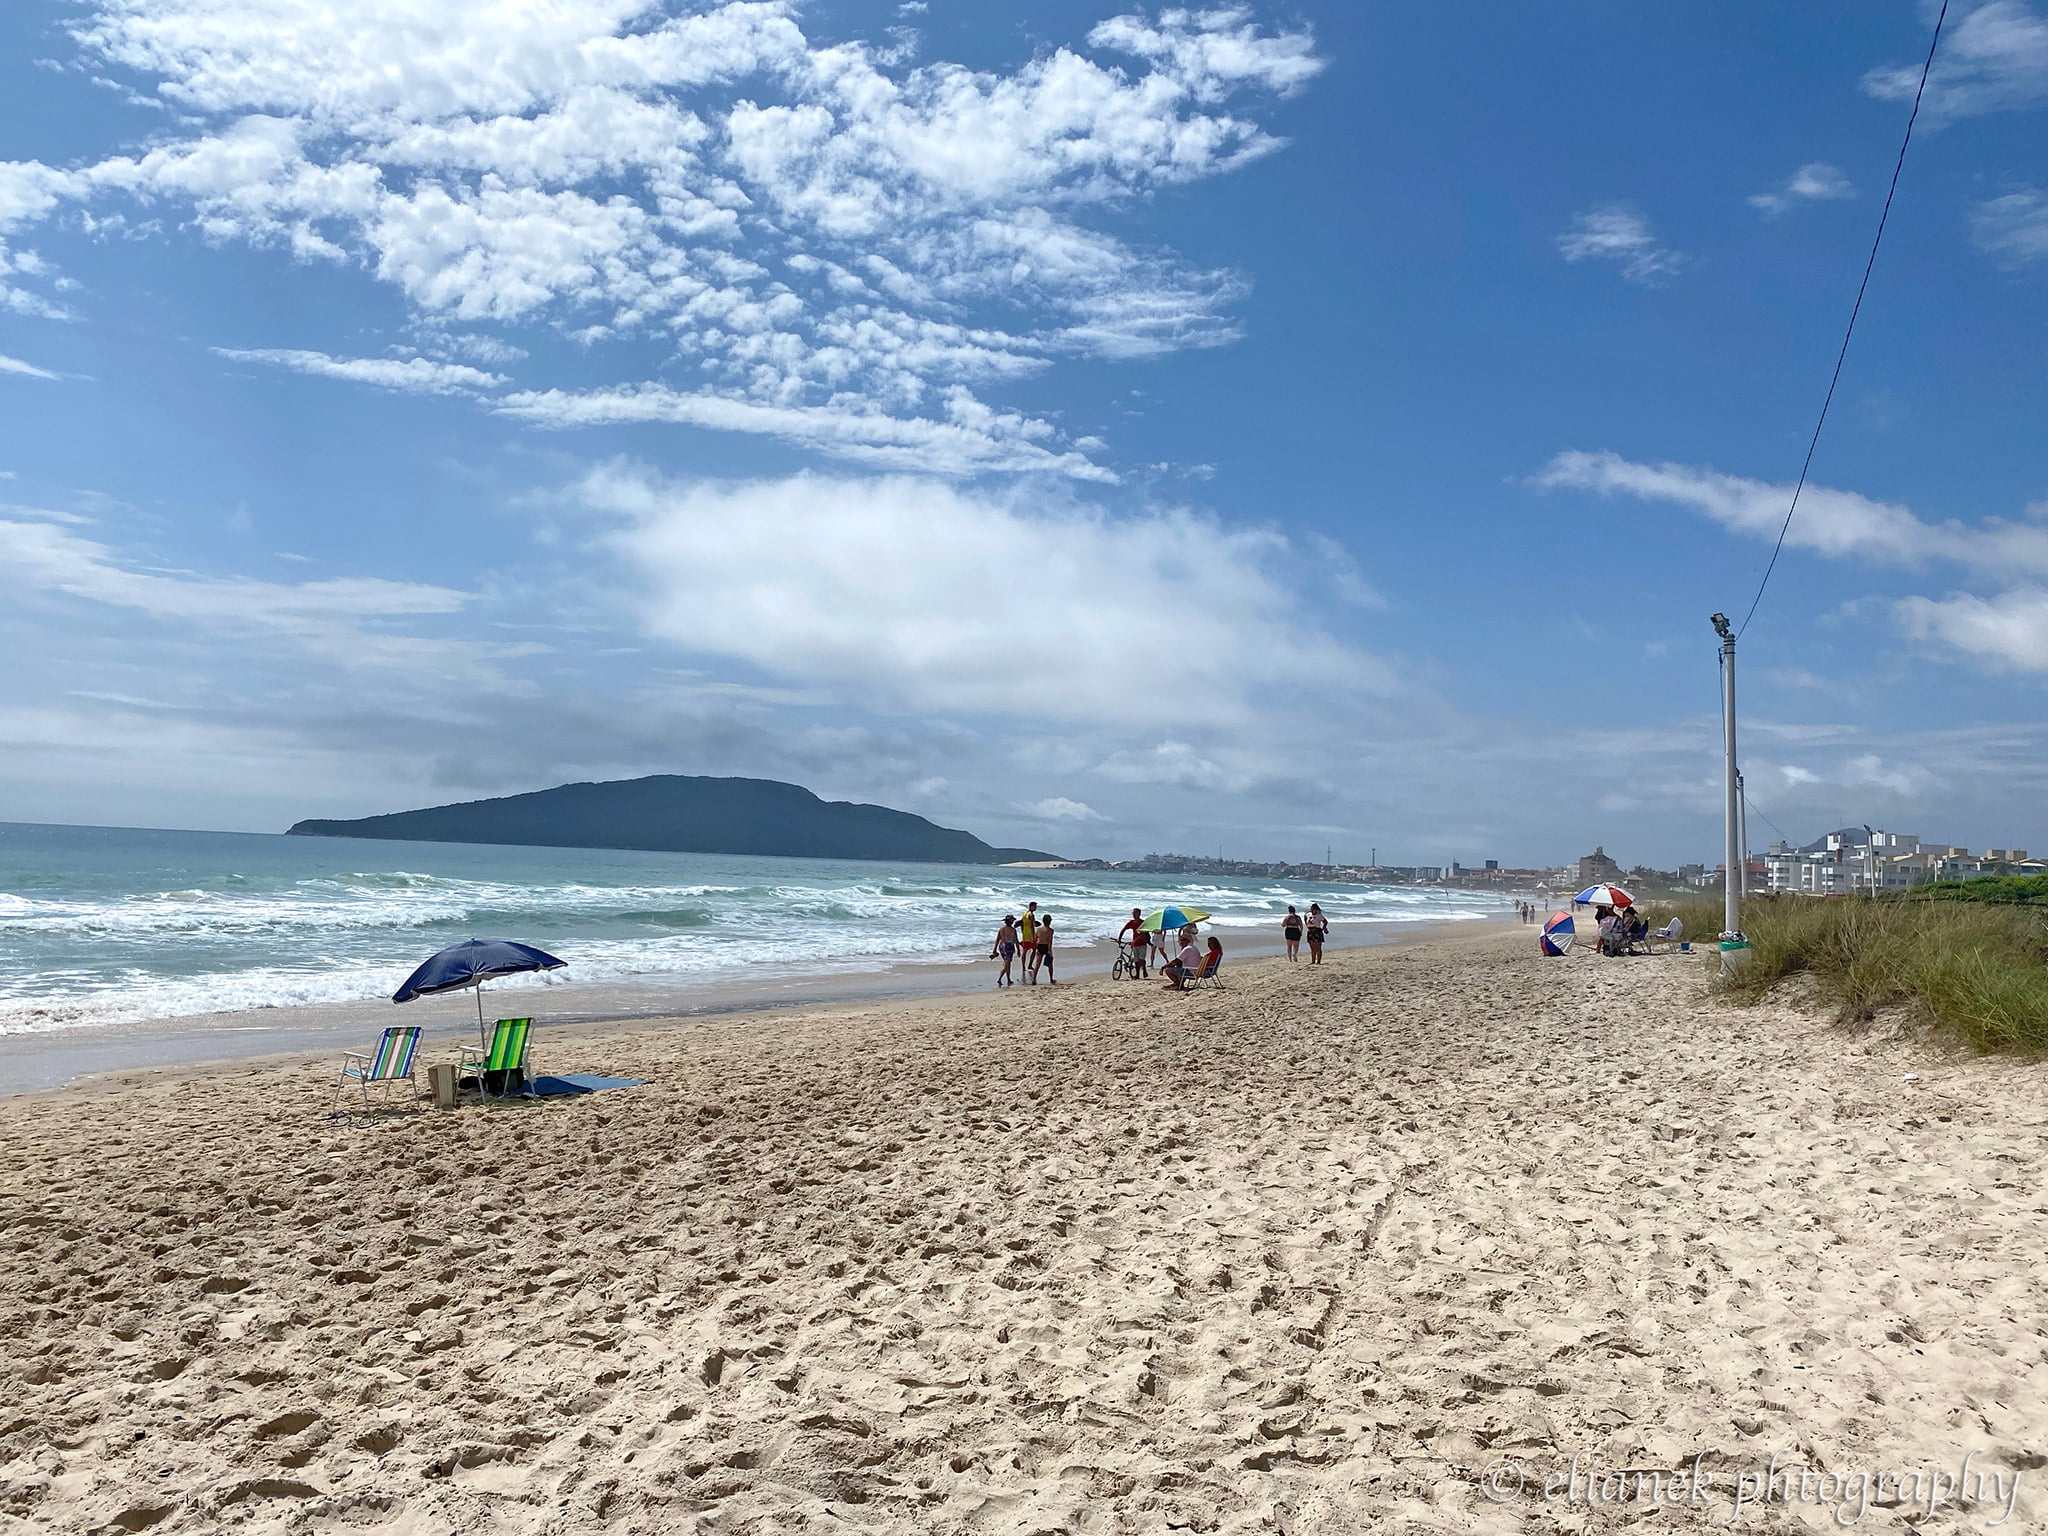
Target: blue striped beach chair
505, 1066
391, 1062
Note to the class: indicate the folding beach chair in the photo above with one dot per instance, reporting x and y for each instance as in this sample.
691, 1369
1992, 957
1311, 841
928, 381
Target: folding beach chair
390, 1063
1212, 963
506, 1066
1672, 934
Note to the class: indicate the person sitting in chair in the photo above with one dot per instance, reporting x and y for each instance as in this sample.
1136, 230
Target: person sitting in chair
1185, 966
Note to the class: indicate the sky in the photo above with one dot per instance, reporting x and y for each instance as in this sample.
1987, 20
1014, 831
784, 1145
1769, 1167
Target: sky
1256, 430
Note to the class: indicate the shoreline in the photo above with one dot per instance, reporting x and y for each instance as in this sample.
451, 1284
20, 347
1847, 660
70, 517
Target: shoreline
48, 1061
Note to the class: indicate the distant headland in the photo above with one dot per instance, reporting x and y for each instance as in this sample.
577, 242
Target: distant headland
681, 813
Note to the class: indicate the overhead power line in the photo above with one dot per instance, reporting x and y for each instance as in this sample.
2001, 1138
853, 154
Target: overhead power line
1854, 311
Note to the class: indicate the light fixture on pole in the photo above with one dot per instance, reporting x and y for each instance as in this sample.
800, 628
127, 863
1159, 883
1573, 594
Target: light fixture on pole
1733, 944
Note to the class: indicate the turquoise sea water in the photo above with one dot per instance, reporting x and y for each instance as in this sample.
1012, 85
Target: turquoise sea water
105, 925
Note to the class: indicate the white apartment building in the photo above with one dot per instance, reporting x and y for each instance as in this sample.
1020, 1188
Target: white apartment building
1871, 860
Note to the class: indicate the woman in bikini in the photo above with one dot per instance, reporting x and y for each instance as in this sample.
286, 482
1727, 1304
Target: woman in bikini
1290, 930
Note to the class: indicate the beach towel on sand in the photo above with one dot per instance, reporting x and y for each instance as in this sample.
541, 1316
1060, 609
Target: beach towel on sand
581, 1082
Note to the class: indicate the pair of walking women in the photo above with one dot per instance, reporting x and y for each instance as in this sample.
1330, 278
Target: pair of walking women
1315, 928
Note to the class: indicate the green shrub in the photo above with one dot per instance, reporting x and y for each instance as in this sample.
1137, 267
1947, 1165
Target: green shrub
1999, 890
1974, 970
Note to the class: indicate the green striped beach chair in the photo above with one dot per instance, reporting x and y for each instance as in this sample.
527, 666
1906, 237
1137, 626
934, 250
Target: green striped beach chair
390, 1063
506, 1065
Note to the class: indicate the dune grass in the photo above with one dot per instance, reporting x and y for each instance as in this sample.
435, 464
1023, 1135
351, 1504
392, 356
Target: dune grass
1999, 890
1976, 971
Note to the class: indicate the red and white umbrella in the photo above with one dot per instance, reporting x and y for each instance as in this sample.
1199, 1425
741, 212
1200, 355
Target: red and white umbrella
1604, 896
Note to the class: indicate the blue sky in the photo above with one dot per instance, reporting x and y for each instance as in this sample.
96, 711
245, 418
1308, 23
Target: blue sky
1108, 430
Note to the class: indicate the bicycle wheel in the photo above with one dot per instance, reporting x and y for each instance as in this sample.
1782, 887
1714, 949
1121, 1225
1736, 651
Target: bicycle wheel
1117, 967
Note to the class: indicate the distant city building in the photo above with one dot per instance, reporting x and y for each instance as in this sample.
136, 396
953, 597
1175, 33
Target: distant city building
1596, 868
1871, 860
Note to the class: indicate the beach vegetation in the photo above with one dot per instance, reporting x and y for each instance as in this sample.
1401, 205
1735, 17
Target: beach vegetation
1996, 890
1975, 971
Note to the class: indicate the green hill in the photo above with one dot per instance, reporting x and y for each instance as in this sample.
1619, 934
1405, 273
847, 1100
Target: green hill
679, 813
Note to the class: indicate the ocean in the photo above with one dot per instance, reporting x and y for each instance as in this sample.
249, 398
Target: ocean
108, 926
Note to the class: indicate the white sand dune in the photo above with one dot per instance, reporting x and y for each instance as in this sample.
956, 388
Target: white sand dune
1309, 1255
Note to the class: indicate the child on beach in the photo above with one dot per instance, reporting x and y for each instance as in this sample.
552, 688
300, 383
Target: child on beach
1006, 947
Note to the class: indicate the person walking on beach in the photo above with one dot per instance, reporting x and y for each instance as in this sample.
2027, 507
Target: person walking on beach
1290, 930
1133, 933
1045, 953
1318, 930
1006, 949
1027, 935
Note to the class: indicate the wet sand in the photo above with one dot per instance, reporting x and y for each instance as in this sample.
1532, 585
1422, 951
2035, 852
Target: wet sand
31, 1061
1318, 1253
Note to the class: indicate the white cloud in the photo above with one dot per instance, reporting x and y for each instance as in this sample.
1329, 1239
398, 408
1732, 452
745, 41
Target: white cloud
415, 375
334, 619
910, 594
26, 370
1993, 58
2013, 228
2009, 630
1060, 808
1622, 236
974, 440
1830, 522
827, 232
1813, 182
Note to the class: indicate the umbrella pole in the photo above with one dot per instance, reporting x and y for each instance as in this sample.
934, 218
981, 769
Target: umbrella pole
482, 1042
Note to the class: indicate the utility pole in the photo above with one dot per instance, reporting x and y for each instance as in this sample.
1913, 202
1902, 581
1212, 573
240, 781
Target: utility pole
1731, 884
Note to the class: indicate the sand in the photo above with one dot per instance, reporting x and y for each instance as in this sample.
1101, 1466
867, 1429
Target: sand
1320, 1253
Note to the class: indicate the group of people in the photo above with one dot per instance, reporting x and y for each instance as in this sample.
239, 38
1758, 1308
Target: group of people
1028, 938
1024, 945
1178, 965
1525, 911
1315, 928
1621, 929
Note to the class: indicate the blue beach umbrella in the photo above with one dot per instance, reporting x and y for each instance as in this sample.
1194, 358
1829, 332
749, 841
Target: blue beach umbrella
470, 964
1170, 919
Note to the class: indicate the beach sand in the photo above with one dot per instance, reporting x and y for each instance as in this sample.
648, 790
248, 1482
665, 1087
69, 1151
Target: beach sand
1308, 1255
